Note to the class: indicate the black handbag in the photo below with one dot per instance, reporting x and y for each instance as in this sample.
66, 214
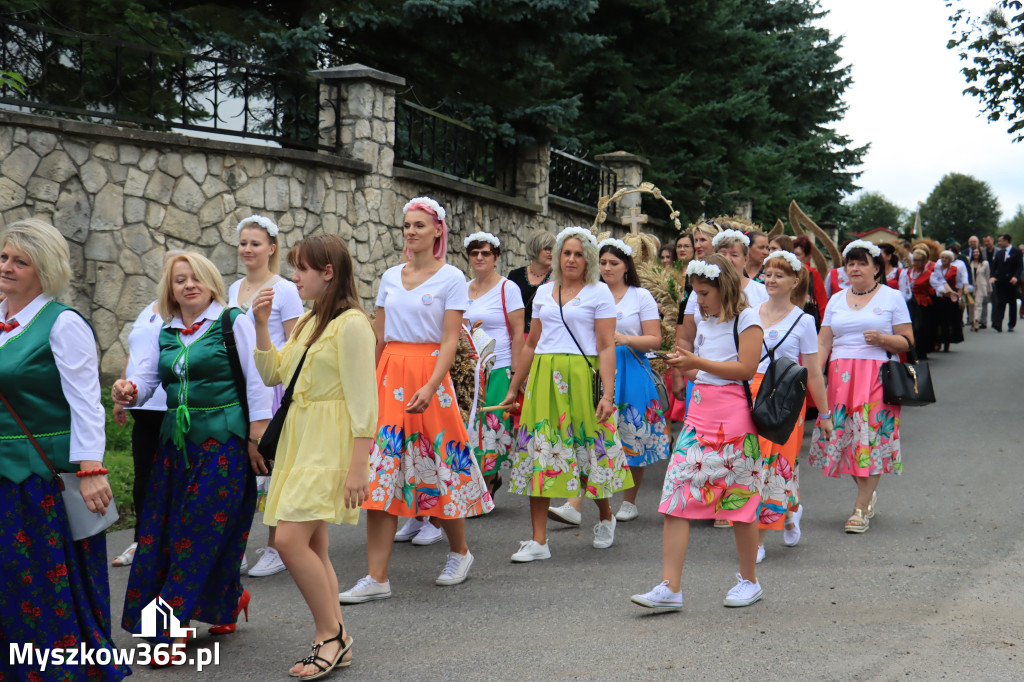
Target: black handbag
780, 400
597, 385
906, 383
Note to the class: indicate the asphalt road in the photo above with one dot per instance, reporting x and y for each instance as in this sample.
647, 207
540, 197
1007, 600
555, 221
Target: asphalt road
930, 592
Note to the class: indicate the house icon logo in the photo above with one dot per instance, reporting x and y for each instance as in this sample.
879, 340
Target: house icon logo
157, 617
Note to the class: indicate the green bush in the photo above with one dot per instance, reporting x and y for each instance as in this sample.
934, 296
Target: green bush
118, 461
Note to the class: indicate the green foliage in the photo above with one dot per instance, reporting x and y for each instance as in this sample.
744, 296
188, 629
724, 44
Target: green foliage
9, 79
1015, 226
993, 49
119, 463
959, 206
871, 210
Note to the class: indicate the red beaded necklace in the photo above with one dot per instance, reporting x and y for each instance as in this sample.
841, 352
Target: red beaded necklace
8, 326
188, 331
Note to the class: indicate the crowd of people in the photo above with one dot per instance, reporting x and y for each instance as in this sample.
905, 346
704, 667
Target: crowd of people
241, 399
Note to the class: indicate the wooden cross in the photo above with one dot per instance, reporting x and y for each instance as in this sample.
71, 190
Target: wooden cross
635, 219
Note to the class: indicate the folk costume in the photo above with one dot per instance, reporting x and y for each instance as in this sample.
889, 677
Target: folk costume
54, 592
922, 307
948, 318
202, 491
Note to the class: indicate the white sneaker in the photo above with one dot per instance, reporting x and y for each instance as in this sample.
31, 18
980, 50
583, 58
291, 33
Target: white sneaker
760, 553
269, 564
367, 589
661, 599
531, 550
604, 534
243, 568
409, 530
565, 514
791, 537
627, 512
428, 535
456, 569
744, 594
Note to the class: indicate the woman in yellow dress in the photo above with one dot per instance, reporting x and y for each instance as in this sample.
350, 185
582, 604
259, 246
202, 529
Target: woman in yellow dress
321, 470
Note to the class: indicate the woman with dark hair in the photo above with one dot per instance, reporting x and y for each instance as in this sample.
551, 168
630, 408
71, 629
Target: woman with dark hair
891, 261
756, 253
685, 247
321, 474
530, 277
981, 287
817, 296
782, 242
666, 256
863, 326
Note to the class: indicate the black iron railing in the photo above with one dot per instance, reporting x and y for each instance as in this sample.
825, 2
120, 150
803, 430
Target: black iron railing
576, 179
437, 142
100, 79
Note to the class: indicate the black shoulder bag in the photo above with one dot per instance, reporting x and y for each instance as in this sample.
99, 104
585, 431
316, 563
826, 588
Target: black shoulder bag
780, 400
906, 384
597, 386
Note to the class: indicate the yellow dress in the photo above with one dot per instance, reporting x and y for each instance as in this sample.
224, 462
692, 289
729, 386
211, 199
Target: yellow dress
335, 402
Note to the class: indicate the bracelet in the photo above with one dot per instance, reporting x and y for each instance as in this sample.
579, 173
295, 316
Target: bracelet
604, 397
254, 441
824, 415
91, 472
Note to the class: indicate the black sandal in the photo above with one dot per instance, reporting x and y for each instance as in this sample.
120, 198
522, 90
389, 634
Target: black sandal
314, 656
495, 484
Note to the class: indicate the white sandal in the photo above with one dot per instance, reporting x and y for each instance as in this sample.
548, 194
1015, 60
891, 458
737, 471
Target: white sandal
126, 557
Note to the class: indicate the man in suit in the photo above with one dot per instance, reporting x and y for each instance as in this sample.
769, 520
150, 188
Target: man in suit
1007, 264
972, 245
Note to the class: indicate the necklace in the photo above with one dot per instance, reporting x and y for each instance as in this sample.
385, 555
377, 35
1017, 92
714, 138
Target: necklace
536, 275
188, 331
863, 293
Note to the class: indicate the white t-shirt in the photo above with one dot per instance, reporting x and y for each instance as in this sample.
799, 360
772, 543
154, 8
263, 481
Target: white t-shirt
755, 291
594, 302
885, 310
716, 342
637, 306
146, 324
488, 311
287, 305
803, 340
417, 316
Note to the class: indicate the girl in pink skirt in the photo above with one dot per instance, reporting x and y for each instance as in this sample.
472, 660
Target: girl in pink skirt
716, 469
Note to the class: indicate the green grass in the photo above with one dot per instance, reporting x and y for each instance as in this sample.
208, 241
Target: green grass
118, 461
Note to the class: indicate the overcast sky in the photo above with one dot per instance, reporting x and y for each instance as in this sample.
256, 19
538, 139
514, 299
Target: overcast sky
907, 101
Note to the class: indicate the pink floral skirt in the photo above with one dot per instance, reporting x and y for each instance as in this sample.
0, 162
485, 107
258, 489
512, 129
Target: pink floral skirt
866, 436
716, 470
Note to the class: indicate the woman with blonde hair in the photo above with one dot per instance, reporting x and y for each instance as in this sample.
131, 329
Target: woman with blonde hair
530, 277
56, 592
202, 490
322, 471
716, 470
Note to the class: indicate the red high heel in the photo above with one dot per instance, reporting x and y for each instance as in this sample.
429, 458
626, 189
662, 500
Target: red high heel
243, 606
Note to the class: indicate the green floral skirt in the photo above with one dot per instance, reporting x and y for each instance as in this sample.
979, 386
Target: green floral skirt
560, 446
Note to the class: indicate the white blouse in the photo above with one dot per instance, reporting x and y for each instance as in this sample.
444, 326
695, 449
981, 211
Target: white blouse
803, 340
489, 312
287, 305
417, 315
146, 324
715, 341
636, 307
74, 352
885, 310
594, 302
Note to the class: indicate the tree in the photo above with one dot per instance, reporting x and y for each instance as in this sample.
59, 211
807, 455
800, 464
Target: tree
1015, 226
959, 206
993, 48
871, 210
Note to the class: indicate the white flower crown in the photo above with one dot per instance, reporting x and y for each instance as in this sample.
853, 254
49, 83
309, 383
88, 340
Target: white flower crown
729, 234
862, 244
702, 269
434, 206
266, 223
791, 258
575, 231
618, 244
482, 237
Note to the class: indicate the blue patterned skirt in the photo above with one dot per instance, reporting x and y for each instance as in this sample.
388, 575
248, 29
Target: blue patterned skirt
198, 513
641, 416
54, 591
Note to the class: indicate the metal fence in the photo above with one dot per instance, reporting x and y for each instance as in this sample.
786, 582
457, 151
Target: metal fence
100, 79
579, 180
433, 141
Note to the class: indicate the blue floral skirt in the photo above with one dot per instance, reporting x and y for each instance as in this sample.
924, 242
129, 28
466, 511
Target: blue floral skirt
198, 512
54, 591
641, 415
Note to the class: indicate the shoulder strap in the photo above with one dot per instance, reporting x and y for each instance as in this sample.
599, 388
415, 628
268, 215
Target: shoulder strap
504, 310
295, 375
569, 329
227, 319
771, 351
736, 339
35, 444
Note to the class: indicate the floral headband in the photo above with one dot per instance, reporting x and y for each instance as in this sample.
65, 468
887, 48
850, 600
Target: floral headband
730, 235
702, 269
581, 233
862, 244
430, 203
266, 223
616, 244
790, 258
482, 237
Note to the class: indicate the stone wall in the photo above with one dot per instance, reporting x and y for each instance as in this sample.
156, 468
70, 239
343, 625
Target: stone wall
123, 197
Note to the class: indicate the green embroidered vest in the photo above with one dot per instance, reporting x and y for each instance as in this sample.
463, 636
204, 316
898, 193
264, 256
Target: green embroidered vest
202, 401
31, 382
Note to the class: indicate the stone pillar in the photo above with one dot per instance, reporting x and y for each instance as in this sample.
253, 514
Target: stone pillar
629, 172
357, 113
532, 167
